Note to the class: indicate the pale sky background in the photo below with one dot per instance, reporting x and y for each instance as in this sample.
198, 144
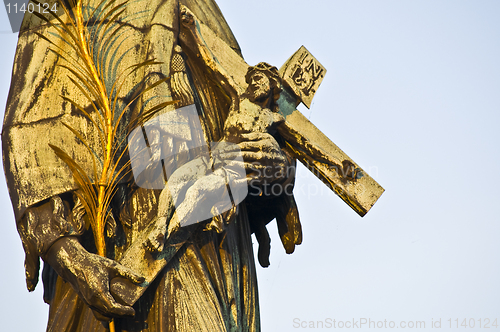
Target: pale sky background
412, 94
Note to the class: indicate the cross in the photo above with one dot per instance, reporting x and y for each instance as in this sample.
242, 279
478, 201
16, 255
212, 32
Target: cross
301, 74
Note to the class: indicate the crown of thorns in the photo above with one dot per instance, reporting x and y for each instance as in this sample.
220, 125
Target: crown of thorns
270, 71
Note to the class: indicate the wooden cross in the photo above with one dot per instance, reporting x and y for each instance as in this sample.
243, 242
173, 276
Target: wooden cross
302, 74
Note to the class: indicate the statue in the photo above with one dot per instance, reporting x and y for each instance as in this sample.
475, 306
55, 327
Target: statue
198, 277
252, 112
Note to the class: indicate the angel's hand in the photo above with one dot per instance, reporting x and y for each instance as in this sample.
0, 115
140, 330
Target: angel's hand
90, 274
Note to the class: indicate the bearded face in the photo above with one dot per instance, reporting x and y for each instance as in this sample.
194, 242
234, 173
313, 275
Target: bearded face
259, 87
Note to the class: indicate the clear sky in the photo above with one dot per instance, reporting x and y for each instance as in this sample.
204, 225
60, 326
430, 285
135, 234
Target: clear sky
412, 94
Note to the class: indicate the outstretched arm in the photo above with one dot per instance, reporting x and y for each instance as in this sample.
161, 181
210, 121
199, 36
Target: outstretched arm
192, 25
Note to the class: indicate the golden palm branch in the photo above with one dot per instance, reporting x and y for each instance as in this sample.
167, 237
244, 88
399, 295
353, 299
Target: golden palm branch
92, 34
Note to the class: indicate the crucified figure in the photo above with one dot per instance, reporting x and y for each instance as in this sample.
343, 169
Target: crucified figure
253, 112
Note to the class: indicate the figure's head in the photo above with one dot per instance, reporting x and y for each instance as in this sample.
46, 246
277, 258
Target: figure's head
263, 82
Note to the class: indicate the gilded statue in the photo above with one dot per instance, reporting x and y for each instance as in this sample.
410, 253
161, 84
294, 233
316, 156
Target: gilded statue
160, 248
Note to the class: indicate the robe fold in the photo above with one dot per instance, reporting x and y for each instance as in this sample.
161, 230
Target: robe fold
210, 285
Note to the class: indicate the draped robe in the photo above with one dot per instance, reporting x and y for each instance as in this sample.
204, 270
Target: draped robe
210, 285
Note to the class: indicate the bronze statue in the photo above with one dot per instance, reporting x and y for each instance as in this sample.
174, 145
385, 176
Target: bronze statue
199, 277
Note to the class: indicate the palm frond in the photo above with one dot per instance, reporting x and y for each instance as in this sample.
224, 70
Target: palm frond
80, 176
95, 37
96, 109
147, 115
133, 68
84, 141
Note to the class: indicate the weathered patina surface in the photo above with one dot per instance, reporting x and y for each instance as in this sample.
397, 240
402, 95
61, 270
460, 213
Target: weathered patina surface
195, 278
